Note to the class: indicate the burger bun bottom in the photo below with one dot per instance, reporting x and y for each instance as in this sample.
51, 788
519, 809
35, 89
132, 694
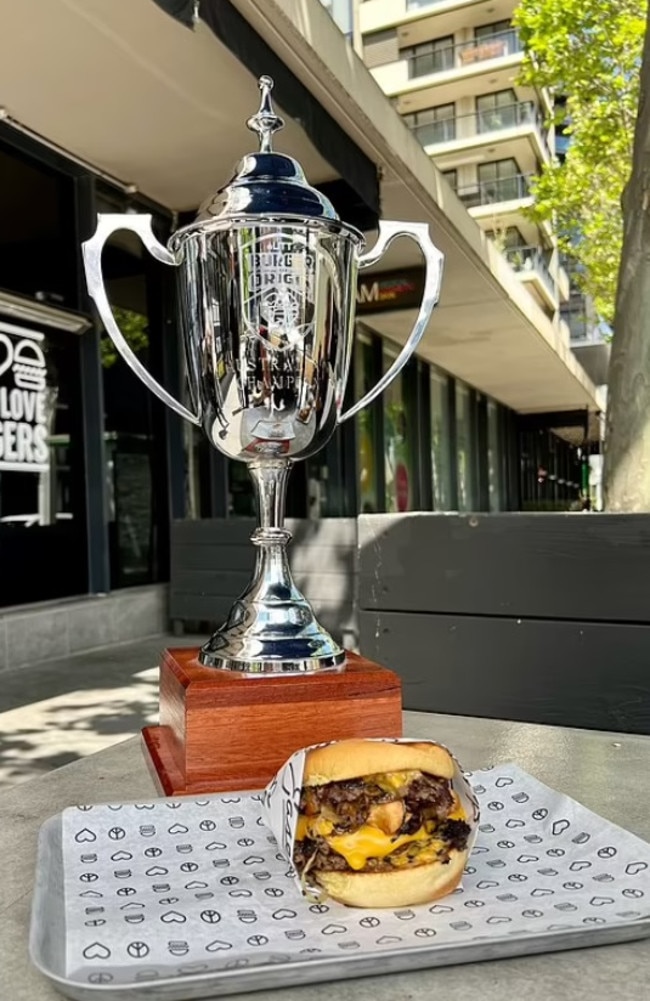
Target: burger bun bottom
420, 884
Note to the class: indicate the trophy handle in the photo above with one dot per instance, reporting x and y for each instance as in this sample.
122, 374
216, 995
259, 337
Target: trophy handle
92, 256
434, 259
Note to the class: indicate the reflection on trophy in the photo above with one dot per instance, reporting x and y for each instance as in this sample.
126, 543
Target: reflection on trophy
267, 284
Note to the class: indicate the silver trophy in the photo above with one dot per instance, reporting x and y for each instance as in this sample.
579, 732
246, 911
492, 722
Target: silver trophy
267, 279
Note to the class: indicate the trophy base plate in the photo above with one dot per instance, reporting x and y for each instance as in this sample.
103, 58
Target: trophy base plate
220, 731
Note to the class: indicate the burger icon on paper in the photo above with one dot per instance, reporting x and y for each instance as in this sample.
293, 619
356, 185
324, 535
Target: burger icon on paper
374, 823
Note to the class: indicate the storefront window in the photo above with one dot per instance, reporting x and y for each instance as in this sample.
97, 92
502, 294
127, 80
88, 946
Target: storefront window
137, 510
466, 450
495, 487
366, 425
400, 442
440, 441
42, 505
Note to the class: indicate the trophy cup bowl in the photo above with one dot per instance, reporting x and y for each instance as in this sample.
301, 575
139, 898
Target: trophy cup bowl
267, 278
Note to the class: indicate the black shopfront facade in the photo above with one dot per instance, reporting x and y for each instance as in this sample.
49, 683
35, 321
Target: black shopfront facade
93, 469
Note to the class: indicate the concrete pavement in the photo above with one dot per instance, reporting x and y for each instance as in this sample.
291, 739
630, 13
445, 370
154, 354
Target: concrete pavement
57, 712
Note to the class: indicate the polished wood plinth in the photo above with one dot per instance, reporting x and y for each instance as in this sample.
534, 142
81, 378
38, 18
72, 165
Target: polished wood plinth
222, 731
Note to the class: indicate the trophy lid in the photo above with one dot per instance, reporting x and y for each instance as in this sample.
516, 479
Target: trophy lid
266, 183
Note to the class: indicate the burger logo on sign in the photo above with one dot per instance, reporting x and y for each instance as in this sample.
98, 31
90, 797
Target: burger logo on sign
278, 294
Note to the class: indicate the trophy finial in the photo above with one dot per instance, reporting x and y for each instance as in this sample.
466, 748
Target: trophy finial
265, 122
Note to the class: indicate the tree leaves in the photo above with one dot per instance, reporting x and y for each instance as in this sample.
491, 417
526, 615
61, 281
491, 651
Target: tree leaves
589, 53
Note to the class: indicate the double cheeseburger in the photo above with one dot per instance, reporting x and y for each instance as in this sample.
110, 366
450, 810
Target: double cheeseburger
379, 823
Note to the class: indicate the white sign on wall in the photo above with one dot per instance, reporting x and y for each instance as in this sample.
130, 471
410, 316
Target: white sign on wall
23, 400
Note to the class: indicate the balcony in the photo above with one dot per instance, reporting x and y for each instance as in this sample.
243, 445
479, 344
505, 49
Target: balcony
468, 130
530, 265
515, 187
464, 54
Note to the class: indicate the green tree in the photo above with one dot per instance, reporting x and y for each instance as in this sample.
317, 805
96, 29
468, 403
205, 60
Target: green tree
627, 442
588, 52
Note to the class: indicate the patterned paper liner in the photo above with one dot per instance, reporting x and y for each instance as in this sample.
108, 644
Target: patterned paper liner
188, 888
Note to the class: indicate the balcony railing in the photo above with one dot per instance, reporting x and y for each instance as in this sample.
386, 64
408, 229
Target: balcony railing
502, 189
449, 57
480, 122
526, 259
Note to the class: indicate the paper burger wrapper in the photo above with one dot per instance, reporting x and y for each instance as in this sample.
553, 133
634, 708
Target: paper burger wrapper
281, 801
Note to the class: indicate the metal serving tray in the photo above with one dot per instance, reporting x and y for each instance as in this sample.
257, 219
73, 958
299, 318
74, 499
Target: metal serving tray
545, 875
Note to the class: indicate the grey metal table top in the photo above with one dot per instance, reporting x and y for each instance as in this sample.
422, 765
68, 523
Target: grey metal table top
607, 772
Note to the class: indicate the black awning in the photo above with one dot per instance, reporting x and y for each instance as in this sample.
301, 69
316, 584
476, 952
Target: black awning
356, 197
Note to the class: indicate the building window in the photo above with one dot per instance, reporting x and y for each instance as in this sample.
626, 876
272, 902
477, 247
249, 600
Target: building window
494, 457
433, 125
497, 111
430, 57
489, 30
500, 181
400, 441
366, 427
440, 442
466, 449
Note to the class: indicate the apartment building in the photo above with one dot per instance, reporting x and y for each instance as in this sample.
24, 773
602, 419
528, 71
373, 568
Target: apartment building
450, 67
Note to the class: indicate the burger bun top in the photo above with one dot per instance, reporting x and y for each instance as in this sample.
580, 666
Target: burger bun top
351, 759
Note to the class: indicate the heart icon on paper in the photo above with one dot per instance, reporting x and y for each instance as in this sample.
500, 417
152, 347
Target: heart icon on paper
156, 870
173, 917
195, 884
504, 781
601, 901
542, 892
178, 829
580, 864
214, 845
284, 912
634, 867
85, 834
334, 930
121, 857
96, 951
559, 826
496, 920
388, 939
218, 946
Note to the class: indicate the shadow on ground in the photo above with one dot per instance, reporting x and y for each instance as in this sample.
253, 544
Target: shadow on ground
56, 713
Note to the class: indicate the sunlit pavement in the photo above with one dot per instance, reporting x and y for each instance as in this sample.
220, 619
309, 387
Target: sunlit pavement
59, 712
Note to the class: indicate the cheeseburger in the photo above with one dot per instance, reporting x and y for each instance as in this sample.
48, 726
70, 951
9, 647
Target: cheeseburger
380, 824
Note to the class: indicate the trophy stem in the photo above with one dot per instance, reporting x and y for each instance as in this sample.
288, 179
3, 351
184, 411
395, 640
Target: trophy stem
271, 628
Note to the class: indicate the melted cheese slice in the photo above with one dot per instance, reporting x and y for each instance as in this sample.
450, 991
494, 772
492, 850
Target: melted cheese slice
369, 842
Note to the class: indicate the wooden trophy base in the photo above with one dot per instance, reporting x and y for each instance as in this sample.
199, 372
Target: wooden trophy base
221, 731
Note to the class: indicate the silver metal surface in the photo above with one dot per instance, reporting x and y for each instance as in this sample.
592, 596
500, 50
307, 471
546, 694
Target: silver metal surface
267, 280
47, 946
